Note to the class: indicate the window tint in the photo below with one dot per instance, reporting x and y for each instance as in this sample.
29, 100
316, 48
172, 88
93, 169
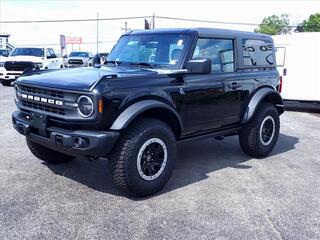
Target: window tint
257, 52
219, 51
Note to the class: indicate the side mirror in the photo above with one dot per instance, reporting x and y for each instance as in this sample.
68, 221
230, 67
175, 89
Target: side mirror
201, 65
51, 56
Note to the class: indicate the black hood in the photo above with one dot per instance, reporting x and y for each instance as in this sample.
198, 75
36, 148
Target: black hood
81, 79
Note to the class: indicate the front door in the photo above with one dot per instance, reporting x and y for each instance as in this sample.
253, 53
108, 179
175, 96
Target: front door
213, 100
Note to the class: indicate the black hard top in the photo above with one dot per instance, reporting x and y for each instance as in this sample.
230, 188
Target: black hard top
202, 32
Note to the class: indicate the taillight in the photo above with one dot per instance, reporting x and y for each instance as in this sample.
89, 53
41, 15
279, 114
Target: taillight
280, 85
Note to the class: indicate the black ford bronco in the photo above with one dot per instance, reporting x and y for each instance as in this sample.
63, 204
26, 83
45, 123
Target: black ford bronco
156, 89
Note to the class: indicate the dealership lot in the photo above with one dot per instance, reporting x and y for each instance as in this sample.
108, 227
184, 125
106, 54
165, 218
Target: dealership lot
216, 192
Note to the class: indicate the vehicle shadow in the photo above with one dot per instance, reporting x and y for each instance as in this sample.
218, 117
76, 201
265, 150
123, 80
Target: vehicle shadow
195, 160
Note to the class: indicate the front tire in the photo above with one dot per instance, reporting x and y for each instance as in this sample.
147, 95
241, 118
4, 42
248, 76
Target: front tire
6, 83
260, 135
144, 157
47, 154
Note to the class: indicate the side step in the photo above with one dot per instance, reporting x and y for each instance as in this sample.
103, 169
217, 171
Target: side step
219, 135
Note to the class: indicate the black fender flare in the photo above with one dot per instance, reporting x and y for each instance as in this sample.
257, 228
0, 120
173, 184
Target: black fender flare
262, 94
131, 112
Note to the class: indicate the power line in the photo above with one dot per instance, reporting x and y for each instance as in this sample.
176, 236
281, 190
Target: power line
136, 17
207, 21
75, 20
222, 22
141, 17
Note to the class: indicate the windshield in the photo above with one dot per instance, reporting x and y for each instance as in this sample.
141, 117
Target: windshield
36, 52
79, 54
154, 50
4, 52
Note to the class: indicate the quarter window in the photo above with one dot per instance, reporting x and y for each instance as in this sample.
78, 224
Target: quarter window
257, 52
219, 51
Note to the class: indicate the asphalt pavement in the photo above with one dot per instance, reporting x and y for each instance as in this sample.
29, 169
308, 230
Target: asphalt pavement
216, 191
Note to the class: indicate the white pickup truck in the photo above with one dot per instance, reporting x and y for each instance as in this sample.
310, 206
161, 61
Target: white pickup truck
27, 58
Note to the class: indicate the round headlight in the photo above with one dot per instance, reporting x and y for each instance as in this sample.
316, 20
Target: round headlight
85, 106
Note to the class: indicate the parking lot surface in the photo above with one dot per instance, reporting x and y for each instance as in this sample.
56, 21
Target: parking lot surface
216, 191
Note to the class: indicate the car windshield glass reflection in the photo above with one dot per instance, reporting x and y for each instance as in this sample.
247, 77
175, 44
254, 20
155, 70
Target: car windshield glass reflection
79, 54
150, 50
36, 52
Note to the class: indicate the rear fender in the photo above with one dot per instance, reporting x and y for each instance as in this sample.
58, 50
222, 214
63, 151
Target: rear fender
263, 95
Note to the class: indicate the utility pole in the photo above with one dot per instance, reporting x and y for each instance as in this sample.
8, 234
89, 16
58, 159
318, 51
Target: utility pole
153, 21
97, 32
125, 29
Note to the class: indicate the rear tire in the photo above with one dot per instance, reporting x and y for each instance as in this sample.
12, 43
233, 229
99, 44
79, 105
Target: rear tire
47, 154
6, 83
259, 136
144, 157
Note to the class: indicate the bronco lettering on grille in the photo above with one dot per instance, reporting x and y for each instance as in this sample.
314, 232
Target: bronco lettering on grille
45, 100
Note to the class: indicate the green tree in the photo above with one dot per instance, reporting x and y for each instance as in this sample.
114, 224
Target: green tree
274, 25
312, 24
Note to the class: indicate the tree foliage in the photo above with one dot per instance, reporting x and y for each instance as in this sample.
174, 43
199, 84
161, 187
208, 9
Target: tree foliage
312, 24
274, 25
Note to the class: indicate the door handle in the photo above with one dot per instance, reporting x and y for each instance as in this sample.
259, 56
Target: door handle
235, 85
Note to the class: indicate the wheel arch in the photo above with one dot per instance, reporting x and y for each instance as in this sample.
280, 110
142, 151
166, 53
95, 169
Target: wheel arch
265, 94
152, 109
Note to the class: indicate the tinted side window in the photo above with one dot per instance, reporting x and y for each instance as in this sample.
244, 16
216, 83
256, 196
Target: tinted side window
257, 52
51, 52
48, 53
220, 51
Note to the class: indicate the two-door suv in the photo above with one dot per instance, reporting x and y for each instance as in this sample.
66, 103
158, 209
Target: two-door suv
156, 89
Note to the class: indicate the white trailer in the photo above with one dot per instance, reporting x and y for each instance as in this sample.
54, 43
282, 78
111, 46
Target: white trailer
299, 53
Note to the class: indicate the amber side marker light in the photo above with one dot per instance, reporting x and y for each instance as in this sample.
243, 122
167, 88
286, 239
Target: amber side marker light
100, 106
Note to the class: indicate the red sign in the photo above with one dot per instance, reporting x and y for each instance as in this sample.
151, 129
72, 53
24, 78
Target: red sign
74, 40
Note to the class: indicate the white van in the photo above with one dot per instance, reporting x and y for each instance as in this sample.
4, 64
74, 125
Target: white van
299, 53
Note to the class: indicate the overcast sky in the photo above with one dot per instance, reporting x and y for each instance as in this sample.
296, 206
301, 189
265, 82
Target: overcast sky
109, 31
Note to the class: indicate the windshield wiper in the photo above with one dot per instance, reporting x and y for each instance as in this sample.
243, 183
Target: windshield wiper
144, 64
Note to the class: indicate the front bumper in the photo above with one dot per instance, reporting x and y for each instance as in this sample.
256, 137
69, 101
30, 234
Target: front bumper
9, 75
74, 65
97, 143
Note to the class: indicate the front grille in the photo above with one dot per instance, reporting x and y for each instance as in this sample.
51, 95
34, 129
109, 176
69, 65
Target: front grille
75, 61
43, 107
17, 66
42, 92
48, 94
54, 103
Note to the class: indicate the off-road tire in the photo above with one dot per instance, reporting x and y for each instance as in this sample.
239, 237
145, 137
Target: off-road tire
249, 137
47, 154
5, 83
124, 159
